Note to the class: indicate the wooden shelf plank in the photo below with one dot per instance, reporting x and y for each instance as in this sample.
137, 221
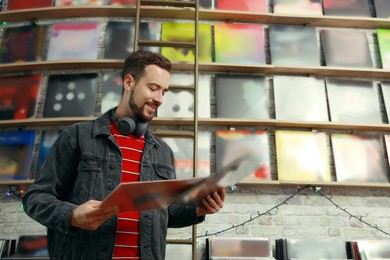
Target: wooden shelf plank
174, 133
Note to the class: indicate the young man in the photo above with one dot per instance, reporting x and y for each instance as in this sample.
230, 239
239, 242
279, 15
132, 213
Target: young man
90, 159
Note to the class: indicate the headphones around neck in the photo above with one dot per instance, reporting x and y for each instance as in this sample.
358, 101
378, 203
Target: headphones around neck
128, 126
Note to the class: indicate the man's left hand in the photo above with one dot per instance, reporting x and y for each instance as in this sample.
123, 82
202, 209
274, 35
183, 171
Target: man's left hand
212, 204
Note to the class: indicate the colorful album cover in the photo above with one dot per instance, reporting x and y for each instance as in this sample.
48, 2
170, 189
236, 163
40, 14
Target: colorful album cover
16, 150
384, 47
359, 158
123, 2
231, 144
302, 156
18, 96
207, 4
239, 43
180, 103
71, 95
48, 137
294, 45
300, 99
22, 44
183, 152
242, 5
74, 40
346, 48
353, 101
28, 4
119, 39
241, 96
386, 97
185, 32
382, 8
359, 8
112, 90
298, 7
79, 2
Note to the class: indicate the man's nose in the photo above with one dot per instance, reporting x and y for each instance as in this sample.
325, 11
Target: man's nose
158, 98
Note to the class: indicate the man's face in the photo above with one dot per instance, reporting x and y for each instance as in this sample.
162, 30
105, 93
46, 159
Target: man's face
147, 95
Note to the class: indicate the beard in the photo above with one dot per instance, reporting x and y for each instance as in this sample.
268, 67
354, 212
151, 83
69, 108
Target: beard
137, 111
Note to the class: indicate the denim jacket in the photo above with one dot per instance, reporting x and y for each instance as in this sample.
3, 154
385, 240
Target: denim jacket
85, 163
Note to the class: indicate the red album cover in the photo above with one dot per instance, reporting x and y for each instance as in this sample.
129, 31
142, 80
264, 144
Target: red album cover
28, 4
18, 96
242, 5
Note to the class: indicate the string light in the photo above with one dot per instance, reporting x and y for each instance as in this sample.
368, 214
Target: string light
268, 212
16, 191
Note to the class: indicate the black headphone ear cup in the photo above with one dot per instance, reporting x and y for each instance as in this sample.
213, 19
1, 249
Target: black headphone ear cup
140, 129
126, 125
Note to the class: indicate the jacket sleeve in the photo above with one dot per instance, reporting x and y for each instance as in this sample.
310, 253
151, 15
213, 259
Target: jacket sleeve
45, 200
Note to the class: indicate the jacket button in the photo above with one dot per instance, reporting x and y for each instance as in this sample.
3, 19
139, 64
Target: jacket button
112, 166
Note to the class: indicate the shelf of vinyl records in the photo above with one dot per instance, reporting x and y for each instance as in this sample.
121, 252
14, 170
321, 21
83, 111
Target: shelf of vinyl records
188, 13
268, 69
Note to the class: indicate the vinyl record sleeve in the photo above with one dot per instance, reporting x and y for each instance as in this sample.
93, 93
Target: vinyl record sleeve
382, 8
79, 2
386, 96
316, 249
374, 249
298, 7
28, 4
239, 247
384, 47
360, 8
148, 195
112, 90
242, 5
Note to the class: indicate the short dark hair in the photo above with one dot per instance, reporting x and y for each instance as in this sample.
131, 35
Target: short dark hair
136, 62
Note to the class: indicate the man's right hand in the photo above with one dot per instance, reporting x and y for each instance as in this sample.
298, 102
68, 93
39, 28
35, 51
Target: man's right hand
90, 215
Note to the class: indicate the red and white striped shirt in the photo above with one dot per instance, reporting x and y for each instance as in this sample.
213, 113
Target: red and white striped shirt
127, 234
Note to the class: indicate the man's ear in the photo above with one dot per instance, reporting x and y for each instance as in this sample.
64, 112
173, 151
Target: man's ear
128, 82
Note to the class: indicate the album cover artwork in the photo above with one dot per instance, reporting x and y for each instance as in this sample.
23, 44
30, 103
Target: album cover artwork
294, 45
31, 246
241, 96
112, 90
239, 43
346, 48
297, 7
180, 103
353, 101
239, 248
382, 8
185, 32
178, 251
79, 2
359, 158
119, 39
300, 99
183, 152
302, 156
231, 144
123, 2
28, 4
18, 96
373, 249
386, 96
316, 249
48, 137
359, 8
22, 44
16, 150
71, 95
384, 47
242, 5
74, 40
207, 4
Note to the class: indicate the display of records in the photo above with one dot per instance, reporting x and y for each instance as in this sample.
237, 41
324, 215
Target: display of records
293, 45
185, 32
22, 44
315, 249
18, 96
382, 8
302, 156
48, 137
119, 38
300, 98
231, 37
373, 249
112, 90
297, 7
16, 150
359, 158
79, 2
347, 8
74, 40
241, 96
180, 103
242, 5
346, 48
231, 144
353, 101
71, 95
28, 4
384, 47
183, 152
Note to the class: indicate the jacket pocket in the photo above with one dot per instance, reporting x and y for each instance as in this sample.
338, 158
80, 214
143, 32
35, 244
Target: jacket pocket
164, 172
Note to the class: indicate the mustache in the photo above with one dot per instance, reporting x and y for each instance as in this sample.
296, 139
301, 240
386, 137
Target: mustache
153, 104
